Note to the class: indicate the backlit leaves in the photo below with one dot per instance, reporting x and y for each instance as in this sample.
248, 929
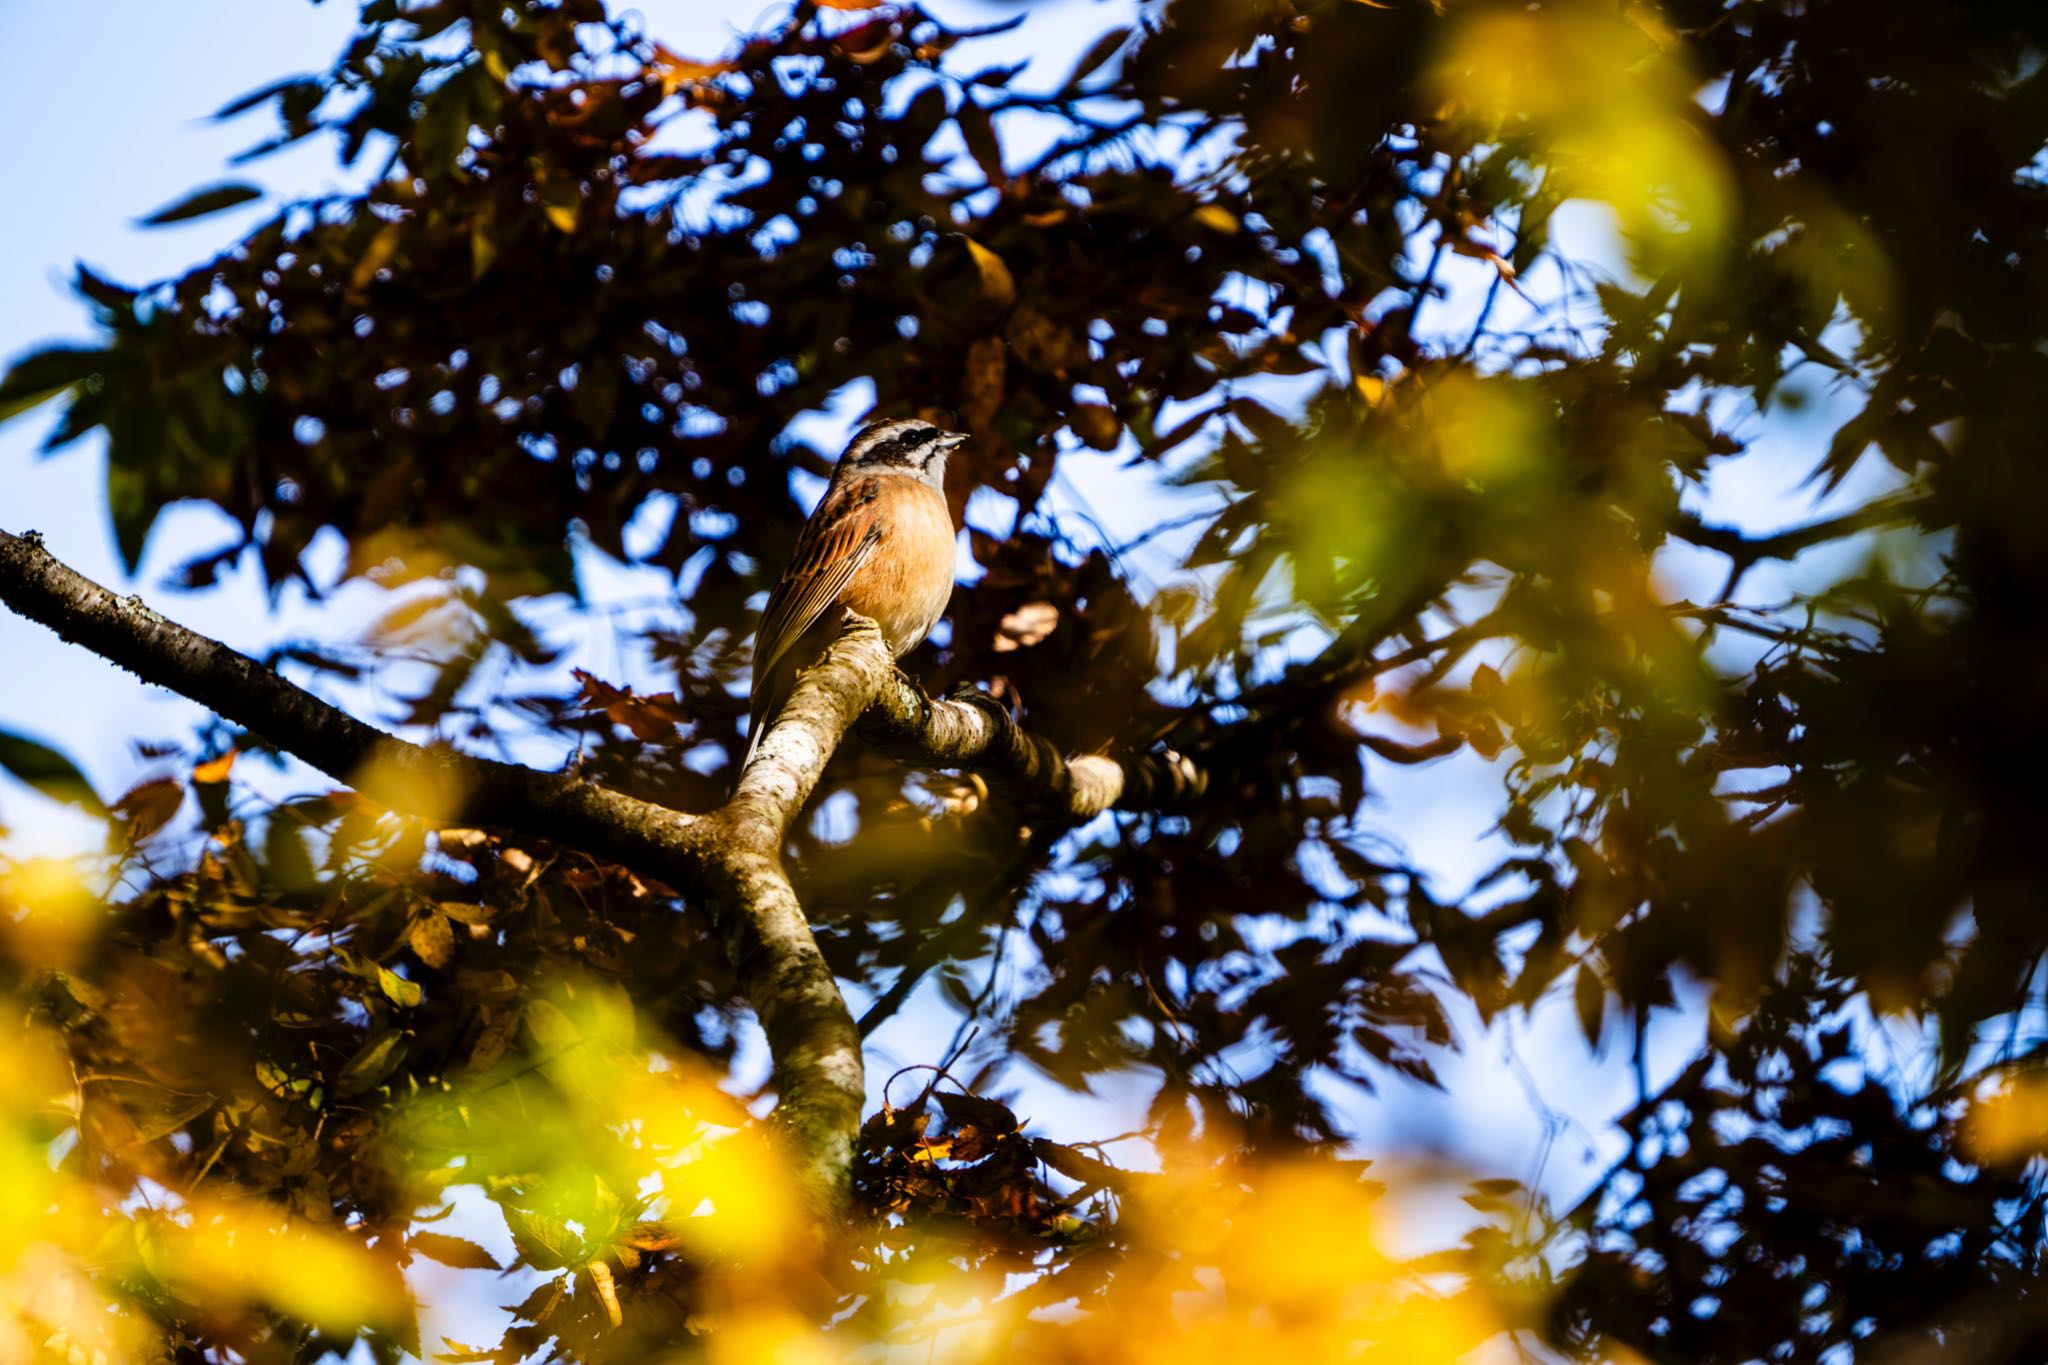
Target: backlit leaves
1424, 489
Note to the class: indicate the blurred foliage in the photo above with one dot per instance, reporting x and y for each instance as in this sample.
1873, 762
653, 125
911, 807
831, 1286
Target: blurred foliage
589, 287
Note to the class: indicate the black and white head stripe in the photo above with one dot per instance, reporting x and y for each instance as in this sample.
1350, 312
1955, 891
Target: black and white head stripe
902, 443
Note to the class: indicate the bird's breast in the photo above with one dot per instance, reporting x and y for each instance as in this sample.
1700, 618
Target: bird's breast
905, 584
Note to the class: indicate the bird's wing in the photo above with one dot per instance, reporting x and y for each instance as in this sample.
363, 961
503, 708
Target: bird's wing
834, 544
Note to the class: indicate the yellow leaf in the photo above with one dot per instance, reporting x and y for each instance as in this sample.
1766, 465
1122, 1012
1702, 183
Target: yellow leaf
463, 913
432, 940
996, 281
374, 258
562, 203
607, 1292
214, 769
483, 247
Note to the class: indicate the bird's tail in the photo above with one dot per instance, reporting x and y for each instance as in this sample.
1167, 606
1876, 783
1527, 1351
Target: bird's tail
766, 702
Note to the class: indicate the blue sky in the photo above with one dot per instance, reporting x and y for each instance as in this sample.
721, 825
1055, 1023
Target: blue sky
93, 151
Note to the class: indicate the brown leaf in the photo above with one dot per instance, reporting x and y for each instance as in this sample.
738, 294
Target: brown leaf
456, 1251
981, 382
1097, 425
650, 1237
674, 72
149, 806
432, 940
870, 42
1044, 344
964, 1111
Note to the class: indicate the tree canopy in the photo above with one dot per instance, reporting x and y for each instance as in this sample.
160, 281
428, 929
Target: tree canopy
1432, 475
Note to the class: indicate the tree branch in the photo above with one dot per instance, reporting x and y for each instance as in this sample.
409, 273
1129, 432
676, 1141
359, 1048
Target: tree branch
977, 734
1745, 551
729, 860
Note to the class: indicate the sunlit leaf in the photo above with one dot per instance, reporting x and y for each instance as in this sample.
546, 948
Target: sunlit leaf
373, 1063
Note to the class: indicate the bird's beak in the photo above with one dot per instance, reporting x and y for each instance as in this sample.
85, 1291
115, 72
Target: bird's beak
950, 442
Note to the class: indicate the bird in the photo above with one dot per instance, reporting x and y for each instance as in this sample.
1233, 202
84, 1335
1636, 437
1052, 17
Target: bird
880, 544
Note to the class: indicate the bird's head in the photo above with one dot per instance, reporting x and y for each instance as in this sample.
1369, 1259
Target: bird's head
900, 446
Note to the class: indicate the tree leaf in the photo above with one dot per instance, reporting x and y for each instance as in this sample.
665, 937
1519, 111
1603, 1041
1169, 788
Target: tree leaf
443, 130
988, 1115
400, 990
39, 376
546, 1243
1589, 998
997, 284
979, 129
214, 769
48, 771
433, 942
149, 806
459, 1252
199, 203
244, 103
372, 1063
1099, 53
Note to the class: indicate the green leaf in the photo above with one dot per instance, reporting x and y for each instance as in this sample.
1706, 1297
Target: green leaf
605, 1212
48, 771
132, 503
546, 1243
198, 204
373, 1062
42, 375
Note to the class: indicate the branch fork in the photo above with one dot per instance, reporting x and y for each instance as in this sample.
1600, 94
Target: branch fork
728, 861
